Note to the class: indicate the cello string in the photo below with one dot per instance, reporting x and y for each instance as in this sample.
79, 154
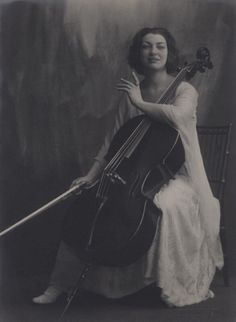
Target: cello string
112, 165
118, 158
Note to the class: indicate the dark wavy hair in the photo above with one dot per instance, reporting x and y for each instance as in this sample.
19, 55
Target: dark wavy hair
134, 51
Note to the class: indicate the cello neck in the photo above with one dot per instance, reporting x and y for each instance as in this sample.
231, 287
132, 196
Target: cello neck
166, 96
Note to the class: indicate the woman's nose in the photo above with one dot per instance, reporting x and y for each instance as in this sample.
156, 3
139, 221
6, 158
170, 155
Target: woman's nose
154, 50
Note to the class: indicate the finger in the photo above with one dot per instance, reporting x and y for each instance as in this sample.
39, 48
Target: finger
74, 184
125, 81
124, 86
77, 182
123, 90
135, 77
81, 183
79, 186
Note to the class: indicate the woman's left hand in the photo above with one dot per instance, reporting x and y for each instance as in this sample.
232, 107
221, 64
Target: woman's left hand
132, 89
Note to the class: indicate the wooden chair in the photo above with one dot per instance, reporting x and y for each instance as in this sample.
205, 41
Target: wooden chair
215, 146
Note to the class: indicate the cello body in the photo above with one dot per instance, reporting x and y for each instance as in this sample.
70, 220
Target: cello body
118, 227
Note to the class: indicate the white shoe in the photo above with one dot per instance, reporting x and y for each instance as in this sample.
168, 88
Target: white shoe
50, 296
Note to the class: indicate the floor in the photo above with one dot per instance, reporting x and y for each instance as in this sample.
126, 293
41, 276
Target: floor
145, 306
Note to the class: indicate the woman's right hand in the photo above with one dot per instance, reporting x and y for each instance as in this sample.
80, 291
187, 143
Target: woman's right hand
82, 182
90, 178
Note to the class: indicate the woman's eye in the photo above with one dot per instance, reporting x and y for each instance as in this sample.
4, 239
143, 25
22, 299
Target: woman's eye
145, 46
161, 47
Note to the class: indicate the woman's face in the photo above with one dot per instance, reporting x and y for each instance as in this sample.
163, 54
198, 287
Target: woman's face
154, 52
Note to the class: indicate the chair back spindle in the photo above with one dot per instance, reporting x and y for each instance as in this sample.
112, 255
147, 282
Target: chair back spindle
215, 147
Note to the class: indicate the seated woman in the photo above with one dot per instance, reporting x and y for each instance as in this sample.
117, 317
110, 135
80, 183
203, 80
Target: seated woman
186, 248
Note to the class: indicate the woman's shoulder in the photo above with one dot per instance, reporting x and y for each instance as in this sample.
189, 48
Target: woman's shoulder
186, 99
187, 89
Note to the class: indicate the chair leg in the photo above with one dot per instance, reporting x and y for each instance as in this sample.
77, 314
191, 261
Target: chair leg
225, 271
75, 290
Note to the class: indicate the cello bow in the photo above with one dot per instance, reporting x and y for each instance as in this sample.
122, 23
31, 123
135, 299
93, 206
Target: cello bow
67, 194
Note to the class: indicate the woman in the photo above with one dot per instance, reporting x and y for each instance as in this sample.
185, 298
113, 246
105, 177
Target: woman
186, 250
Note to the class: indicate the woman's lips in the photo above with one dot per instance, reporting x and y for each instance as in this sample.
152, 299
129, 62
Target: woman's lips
153, 60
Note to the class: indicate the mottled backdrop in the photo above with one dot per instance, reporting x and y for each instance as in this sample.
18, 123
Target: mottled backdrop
60, 61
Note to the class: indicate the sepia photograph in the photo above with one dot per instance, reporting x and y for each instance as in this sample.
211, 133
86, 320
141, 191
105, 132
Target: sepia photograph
117, 160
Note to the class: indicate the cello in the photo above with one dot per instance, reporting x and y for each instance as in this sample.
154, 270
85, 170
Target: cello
114, 221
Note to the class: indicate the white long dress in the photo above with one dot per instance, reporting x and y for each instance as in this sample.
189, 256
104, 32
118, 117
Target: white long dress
186, 249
